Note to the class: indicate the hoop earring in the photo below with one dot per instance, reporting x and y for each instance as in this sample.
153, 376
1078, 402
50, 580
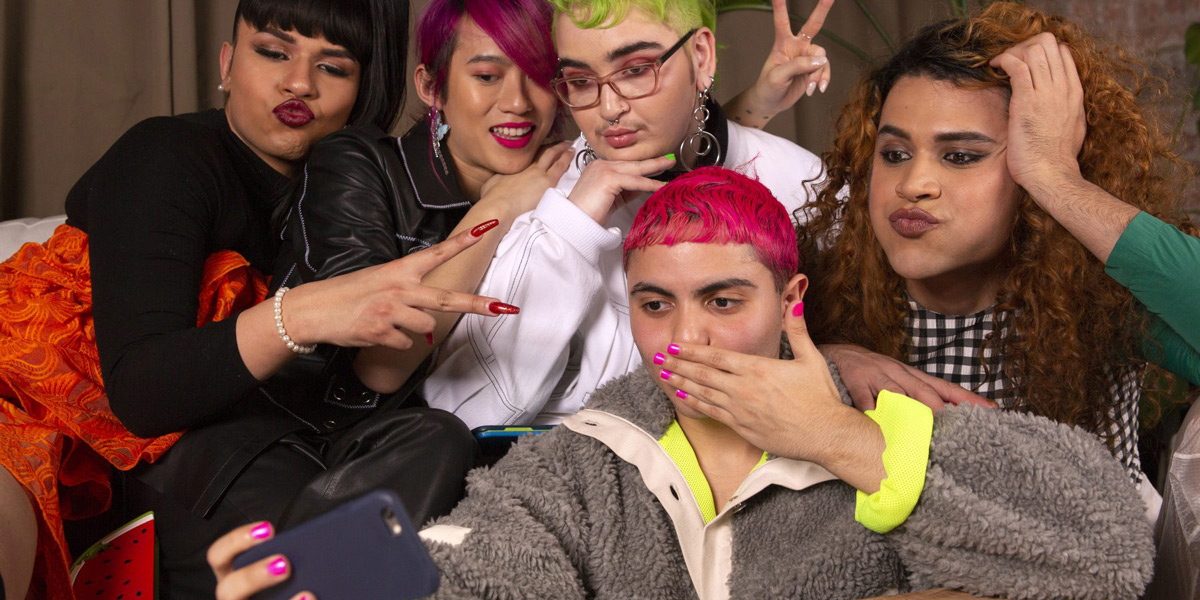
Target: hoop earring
587, 155
437, 132
700, 142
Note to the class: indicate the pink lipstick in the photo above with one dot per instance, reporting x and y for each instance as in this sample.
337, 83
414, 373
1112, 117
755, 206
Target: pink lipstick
293, 113
912, 222
513, 135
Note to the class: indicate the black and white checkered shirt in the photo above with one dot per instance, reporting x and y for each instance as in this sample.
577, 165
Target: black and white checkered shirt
949, 347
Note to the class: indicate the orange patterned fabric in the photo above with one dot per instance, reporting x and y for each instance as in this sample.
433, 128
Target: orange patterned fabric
58, 436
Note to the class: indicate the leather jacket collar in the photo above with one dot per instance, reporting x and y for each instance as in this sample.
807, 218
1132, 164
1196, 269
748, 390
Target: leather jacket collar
425, 171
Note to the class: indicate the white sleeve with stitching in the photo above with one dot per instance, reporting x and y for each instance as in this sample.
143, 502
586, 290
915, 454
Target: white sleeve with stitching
501, 371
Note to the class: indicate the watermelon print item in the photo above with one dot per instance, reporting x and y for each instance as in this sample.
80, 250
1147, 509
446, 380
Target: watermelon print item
121, 566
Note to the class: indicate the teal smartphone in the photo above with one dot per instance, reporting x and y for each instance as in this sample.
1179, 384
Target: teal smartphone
495, 440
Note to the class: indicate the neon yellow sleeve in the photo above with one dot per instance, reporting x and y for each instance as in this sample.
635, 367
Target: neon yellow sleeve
907, 427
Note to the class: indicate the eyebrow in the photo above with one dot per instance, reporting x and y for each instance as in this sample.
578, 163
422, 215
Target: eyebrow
614, 55
649, 288
287, 37
716, 286
949, 136
628, 49
325, 51
725, 284
490, 58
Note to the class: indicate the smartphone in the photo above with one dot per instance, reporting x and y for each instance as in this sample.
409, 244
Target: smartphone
495, 440
366, 549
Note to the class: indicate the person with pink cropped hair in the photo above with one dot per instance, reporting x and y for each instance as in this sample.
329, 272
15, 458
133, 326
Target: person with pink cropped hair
641, 496
477, 159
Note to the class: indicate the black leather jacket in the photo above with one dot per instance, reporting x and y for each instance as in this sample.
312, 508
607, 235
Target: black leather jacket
364, 198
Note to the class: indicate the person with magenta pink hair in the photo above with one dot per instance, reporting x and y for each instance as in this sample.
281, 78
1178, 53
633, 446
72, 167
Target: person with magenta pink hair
639, 495
366, 198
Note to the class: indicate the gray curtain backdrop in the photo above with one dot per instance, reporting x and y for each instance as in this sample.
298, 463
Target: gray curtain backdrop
75, 74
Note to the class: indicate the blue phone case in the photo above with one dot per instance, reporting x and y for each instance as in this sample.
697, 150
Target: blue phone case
365, 549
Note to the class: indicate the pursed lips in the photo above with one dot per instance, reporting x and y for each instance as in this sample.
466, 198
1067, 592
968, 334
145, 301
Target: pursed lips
912, 222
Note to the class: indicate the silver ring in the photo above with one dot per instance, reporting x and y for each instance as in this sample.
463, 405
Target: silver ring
613, 122
806, 36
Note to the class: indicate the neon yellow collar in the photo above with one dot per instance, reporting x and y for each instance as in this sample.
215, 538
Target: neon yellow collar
675, 442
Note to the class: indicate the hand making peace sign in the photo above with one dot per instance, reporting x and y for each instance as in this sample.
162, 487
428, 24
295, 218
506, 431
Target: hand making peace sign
795, 67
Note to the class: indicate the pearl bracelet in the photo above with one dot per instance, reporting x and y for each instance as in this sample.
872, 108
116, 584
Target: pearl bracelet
291, 344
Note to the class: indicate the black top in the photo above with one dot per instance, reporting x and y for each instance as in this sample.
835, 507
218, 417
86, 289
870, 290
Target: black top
363, 199
169, 193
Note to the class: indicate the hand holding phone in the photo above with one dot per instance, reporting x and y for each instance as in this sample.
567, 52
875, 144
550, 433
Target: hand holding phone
366, 549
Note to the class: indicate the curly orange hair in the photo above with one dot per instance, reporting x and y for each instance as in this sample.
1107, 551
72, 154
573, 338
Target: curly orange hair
1071, 328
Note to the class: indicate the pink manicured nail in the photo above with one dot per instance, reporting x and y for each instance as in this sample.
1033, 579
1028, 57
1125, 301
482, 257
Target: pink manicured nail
798, 309
277, 567
672, 349
659, 358
665, 374
429, 338
682, 395
262, 531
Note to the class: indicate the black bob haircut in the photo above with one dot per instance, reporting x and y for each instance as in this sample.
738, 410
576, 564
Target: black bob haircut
374, 31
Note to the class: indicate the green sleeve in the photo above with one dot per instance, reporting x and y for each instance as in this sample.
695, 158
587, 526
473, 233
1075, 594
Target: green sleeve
1161, 266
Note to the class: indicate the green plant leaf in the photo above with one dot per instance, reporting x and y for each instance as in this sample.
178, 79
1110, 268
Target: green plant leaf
728, 5
1191, 44
843, 42
887, 39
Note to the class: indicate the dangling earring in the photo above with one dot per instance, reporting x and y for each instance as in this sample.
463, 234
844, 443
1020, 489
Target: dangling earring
587, 155
701, 142
437, 133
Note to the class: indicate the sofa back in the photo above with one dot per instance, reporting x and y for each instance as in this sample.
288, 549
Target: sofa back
16, 232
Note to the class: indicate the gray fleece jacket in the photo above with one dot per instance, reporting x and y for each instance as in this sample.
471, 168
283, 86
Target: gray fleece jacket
1013, 505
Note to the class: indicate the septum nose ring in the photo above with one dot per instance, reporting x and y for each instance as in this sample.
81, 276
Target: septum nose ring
613, 122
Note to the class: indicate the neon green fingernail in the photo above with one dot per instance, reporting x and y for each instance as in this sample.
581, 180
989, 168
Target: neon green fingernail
670, 156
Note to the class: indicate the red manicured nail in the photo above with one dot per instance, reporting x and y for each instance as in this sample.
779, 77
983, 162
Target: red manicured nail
500, 308
261, 531
277, 567
672, 349
429, 338
682, 395
798, 310
665, 374
659, 358
483, 228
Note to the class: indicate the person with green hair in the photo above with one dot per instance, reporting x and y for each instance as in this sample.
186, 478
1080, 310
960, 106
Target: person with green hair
637, 76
